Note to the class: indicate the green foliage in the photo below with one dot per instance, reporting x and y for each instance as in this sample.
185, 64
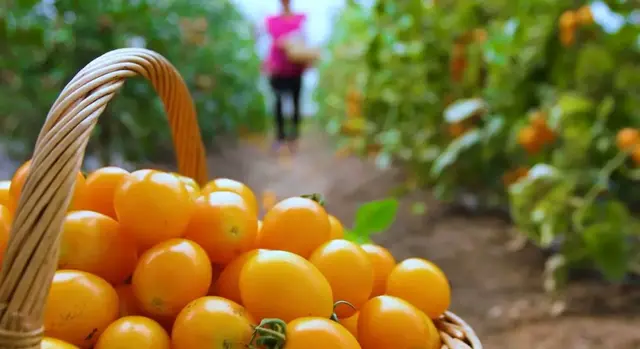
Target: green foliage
210, 43
454, 90
373, 217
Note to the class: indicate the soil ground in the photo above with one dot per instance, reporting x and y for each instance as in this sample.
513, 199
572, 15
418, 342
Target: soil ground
497, 287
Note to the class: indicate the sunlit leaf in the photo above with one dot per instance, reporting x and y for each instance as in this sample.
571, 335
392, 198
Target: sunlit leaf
451, 153
375, 217
464, 109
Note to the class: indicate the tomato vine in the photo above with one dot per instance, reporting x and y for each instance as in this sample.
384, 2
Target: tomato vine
516, 103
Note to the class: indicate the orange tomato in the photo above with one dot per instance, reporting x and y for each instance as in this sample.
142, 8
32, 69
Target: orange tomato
223, 225
568, 20
567, 37
4, 193
318, 333
434, 335
193, 192
351, 324
383, 263
584, 15
258, 233
529, 139
457, 69
101, 186
212, 322
337, 230
188, 181
5, 228
134, 332
538, 119
192, 186
627, 139
165, 321
79, 307
227, 285
547, 135
389, 322
52, 343
635, 156
422, 284
170, 275
153, 206
226, 184
93, 242
349, 272
128, 302
20, 177
216, 270
297, 225
283, 285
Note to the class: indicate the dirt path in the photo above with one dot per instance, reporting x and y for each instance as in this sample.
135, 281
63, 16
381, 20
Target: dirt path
497, 289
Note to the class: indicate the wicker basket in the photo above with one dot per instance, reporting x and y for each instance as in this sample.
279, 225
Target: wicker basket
32, 252
298, 51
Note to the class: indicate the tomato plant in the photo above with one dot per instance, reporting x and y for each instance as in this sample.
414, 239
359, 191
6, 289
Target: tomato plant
43, 45
517, 103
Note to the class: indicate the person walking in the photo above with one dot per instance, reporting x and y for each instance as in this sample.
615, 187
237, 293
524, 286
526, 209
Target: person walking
285, 76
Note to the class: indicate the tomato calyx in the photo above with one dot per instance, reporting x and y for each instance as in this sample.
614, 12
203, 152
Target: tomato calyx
315, 197
270, 334
334, 316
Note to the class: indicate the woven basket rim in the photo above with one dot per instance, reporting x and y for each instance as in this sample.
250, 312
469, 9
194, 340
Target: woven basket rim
453, 328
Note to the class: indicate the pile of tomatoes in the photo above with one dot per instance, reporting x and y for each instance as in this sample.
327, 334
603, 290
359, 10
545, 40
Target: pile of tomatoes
148, 259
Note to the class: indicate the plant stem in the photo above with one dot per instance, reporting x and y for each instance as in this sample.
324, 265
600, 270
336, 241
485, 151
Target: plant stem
592, 194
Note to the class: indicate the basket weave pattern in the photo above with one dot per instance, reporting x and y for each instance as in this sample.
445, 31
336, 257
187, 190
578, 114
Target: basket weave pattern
456, 334
32, 251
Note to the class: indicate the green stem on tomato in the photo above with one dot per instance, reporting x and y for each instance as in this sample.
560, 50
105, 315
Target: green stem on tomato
315, 197
269, 334
334, 316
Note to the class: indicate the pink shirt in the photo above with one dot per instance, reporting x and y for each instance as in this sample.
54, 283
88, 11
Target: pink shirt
277, 63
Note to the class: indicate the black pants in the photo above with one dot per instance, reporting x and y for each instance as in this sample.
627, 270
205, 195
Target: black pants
286, 86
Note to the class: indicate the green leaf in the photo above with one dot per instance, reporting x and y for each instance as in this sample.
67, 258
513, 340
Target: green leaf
375, 217
350, 235
606, 108
464, 109
547, 232
494, 126
633, 174
450, 155
608, 247
542, 170
572, 103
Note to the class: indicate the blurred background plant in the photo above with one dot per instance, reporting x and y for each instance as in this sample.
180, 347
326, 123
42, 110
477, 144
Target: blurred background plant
516, 103
44, 43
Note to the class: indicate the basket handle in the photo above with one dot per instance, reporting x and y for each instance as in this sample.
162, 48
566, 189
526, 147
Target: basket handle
32, 252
